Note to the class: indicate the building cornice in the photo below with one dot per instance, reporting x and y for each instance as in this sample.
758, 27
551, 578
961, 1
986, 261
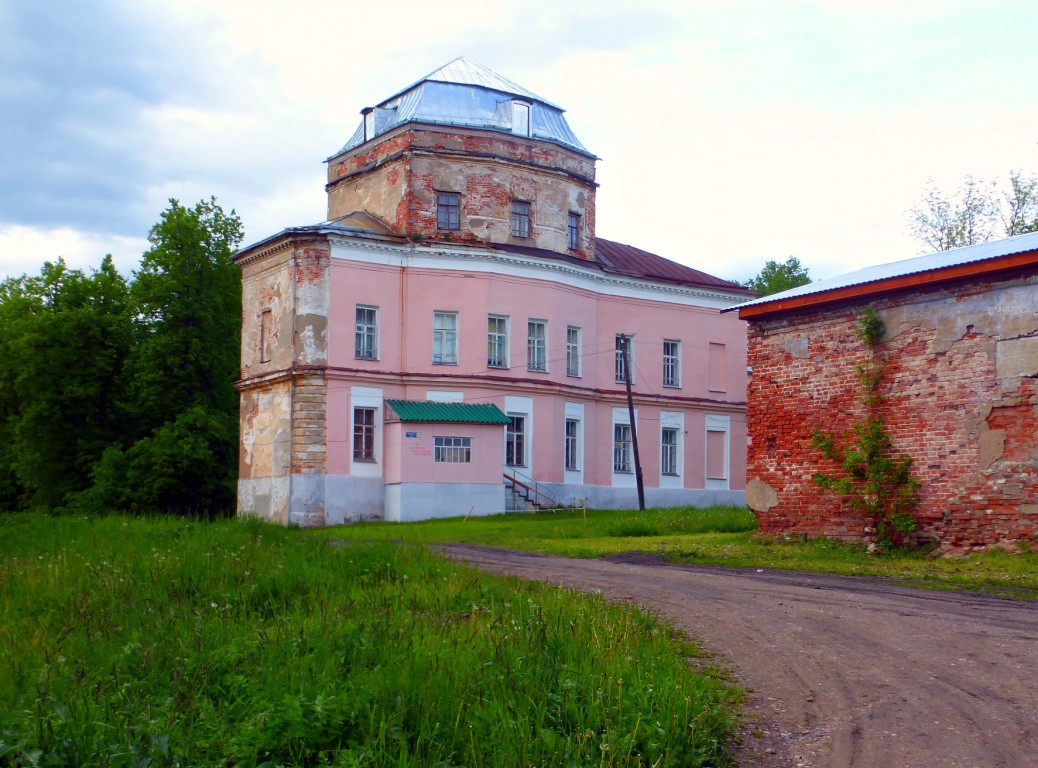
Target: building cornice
475, 258
508, 385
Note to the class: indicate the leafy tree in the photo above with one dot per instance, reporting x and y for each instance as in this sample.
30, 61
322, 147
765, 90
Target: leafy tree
186, 303
775, 277
976, 212
1019, 205
64, 337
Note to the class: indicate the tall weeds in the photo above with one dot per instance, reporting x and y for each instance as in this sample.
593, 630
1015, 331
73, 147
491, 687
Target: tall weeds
163, 642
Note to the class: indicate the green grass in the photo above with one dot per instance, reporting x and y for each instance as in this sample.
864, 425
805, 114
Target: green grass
130, 642
713, 536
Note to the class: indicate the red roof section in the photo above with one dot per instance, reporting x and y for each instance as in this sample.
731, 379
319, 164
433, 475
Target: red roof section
634, 262
620, 259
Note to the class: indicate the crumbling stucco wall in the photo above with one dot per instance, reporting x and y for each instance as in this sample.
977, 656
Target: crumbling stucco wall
397, 179
961, 368
283, 419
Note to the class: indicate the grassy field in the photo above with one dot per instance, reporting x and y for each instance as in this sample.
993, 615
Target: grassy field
162, 642
712, 536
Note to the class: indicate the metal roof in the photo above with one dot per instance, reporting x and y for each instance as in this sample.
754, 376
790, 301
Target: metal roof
931, 263
634, 262
465, 94
461, 71
465, 413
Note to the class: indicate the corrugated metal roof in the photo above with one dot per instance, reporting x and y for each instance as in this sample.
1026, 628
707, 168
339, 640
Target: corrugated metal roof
463, 93
466, 413
934, 262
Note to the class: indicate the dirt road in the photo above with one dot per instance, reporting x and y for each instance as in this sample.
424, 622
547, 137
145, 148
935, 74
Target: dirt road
845, 672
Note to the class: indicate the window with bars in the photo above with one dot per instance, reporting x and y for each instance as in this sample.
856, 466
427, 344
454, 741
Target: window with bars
573, 232
515, 440
671, 363
669, 451
445, 338
497, 342
572, 351
366, 339
537, 345
363, 434
622, 448
572, 445
621, 359
452, 450
520, 218
448, 210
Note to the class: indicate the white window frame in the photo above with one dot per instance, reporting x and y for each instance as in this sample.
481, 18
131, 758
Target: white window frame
669, 451
623, 450
365, 346
445, 338
497, 341
573, 334
571, 445
371, 398
516, 444
620, 362
672, 363
367, 432
537, 345
452, 450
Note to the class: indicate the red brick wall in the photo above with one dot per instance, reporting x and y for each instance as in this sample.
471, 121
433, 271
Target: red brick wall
960, 398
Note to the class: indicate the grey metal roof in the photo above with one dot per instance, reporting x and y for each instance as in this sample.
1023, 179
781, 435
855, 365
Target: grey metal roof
461, 71
929, 263
465, 94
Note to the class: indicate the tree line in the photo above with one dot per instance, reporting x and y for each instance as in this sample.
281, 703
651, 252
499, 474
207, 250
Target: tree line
116, 394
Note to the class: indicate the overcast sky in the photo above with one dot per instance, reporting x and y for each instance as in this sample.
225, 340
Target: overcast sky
729, 133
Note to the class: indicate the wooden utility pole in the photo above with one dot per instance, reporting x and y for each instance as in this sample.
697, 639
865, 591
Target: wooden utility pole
626, 341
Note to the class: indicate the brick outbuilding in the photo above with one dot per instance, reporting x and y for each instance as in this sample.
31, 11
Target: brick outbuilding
959, 393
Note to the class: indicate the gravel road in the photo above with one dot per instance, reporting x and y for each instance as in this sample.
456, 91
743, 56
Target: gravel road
844, 672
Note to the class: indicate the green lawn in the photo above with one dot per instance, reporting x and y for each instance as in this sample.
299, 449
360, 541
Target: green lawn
162, 642
715, 536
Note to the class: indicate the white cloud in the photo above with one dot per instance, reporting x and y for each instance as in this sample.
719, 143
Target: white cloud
24, 249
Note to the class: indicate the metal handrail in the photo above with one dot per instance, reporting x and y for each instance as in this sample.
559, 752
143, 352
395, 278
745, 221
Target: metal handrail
534, 488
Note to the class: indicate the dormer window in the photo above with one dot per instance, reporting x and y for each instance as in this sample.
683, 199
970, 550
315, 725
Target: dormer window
521, 118
369, 123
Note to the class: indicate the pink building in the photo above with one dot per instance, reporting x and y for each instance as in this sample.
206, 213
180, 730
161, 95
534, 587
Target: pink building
450, 339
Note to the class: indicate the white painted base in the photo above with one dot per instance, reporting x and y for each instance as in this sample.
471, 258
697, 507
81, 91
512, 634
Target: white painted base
407, 502
610, 497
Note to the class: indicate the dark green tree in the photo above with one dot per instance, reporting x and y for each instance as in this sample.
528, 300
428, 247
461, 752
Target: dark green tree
775, 277
180, 455
64, 337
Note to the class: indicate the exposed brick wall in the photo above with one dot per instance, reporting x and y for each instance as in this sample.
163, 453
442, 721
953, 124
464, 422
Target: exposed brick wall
309, 424
397, 177
960, 398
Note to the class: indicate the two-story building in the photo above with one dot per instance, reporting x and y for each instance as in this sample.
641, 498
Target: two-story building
455, 334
